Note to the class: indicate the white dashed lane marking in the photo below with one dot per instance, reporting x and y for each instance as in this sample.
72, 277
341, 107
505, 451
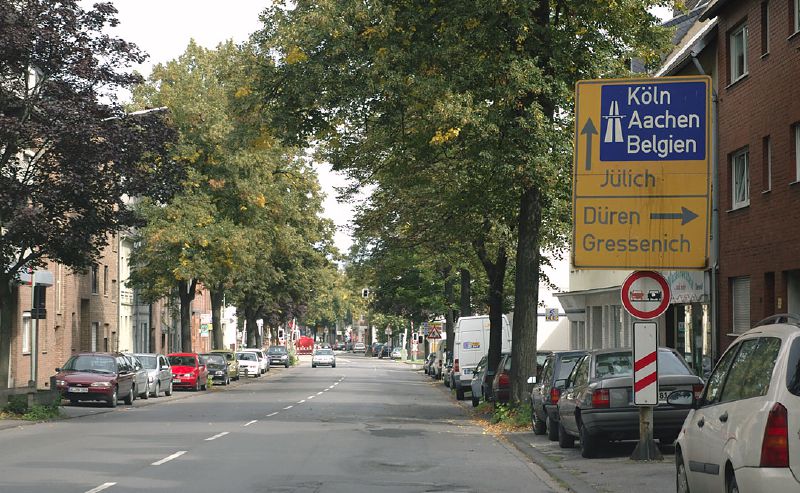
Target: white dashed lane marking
273, 414
287, 408
301, 401
251, 422
218, 435
169, 458
101, 487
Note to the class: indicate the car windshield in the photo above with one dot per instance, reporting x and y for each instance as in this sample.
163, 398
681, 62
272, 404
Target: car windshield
149, 362
277, 350
91, 363
326, 352
246, 356
214, 359
182, 361
611, 365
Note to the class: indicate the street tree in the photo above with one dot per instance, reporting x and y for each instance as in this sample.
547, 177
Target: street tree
68, 152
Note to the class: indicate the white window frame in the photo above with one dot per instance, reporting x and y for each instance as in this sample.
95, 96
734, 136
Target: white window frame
26, 332
734, 55
740, 305
740, 200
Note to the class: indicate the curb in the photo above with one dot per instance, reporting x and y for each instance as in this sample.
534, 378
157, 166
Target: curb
571, 482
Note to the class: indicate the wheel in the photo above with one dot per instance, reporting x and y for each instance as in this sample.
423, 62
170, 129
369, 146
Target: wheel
73, 401
204, 386
157, 391
168, 392
146, 394
114, 398
475, 401
681, 480
565, 440
227, 381
333, 365
131, 396
447, 382
197, 385
459, 393
731, 486
552, 429
539, 427
590, 444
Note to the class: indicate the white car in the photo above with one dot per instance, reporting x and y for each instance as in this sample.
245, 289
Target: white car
248, 364
359, 347
324, 357
742, 433
263, 360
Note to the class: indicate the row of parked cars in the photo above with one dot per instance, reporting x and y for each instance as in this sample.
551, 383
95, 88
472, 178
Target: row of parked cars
737, 431
111, 377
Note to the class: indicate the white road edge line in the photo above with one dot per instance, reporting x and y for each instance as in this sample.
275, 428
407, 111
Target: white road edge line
288, 407
301, 401
273, 414
251, 422
218, 435
169, 458
101, 487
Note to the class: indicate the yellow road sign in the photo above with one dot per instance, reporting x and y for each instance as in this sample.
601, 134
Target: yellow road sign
641, 183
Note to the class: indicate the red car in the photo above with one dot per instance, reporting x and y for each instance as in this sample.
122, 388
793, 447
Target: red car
187, 371
96, 377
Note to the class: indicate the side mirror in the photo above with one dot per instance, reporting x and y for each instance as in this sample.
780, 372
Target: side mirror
681, 398
531, 380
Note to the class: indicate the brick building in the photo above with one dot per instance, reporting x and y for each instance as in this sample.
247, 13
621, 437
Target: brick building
758, 53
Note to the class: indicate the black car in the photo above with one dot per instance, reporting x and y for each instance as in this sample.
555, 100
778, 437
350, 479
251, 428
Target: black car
278, 355
547, 389
340, 346
376, 350
384, 351
217, 367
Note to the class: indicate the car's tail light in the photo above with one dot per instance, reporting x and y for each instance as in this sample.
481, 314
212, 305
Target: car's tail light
601, 398
456, 368
503, 380
555, 395
698, 391
775, 447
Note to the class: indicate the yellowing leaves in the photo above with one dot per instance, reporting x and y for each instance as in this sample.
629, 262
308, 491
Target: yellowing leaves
440, 137
472, 23
260, 200
242, 92
295, 55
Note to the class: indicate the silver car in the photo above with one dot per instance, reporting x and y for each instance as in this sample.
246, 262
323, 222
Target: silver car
323, 357
140, 386
159, 373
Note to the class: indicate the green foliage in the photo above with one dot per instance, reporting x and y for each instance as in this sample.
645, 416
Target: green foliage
17, 404
513, 415
42, 412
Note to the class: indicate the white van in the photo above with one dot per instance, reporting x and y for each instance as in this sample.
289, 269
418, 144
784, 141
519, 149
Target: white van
471, 343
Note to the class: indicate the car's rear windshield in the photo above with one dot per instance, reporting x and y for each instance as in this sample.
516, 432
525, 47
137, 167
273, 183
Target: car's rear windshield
324, 351
246, 357
670, 364
182, 361
567, 364
611, 365
277, 350
91, 363
214, 359
149, 362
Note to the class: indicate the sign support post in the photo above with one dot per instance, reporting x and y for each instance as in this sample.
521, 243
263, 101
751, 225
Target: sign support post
645, 387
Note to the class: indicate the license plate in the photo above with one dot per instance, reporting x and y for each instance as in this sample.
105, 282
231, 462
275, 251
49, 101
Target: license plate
662, 395
219, 373
79, 390
176, 380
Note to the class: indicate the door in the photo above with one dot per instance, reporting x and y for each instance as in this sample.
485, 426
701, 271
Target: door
539, 394
164, 372
124, 377
578, 379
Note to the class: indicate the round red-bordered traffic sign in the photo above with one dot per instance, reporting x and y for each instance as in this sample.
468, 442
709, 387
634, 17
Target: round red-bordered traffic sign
645, 294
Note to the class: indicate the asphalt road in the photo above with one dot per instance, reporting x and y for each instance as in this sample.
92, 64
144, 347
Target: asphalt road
367, 425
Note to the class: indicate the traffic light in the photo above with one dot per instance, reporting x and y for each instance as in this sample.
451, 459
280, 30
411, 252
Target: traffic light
365, 293
420, 339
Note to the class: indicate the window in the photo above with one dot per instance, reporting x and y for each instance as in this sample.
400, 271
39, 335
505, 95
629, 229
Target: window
717, 378
751, 370
95, 288
741, 304
93, 336
737, 43
797, 149
105, 280
740, 173
764, 28
580, 374
26, 332
766, 172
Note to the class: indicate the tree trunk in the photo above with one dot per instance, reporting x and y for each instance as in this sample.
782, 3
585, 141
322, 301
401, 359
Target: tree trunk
250, 326
6, 315
466, 293
449, 297
217, 297
496, 272
186, 292
526, 295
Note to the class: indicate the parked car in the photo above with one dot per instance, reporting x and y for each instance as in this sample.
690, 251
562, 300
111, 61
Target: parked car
438, 364
397, 353
741, 433
230, 359
248, 364
471, 335
323, 357
359, 347
501, 380
376, 350
478, 377
96, 377
597, 404
447, 372
278, 355
427, 365
263, 361
188, 371
141, 387
547, 388
217, 367
341, 346
159, 374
